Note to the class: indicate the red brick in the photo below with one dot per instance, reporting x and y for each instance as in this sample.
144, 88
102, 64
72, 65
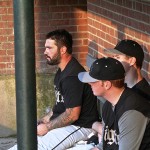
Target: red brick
2, 66
6, 3
41, 9
70, 28
3, 38
81, 35
3, 24
145, 38
45, 2
11, 38
10, 10
60, 9
10, 52
68, 2
80, 49
2, 52
7, 18
3, 11
77, 42
6, 59
57, 15
82, 28
11, 65
7, 46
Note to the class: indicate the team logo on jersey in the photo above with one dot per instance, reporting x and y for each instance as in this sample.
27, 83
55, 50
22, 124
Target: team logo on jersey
59, 97
110, 136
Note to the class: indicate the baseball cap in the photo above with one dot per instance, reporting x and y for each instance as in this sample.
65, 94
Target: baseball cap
103, 69
129, 48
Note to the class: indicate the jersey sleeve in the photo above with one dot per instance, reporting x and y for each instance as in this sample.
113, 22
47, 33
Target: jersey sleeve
132, 125
72, 91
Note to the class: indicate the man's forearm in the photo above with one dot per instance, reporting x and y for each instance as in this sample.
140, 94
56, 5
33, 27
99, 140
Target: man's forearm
64, 119
46, 118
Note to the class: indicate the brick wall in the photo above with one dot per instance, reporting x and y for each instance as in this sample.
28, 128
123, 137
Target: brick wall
112, 20
68, 14
6, 38
49, 15
108, 22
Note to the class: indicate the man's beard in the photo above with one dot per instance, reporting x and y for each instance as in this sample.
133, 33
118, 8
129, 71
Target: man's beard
55, 60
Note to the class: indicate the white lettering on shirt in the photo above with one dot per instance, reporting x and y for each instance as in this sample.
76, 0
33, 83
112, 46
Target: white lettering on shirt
111, 136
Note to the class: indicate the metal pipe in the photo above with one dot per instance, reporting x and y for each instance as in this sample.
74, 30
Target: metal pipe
25, 74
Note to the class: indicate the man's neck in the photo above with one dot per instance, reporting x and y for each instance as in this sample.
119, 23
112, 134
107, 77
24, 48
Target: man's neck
64, 61
114, 95
133, 76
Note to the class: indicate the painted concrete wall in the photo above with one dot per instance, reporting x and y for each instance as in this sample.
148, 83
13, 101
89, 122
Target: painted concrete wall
45, 98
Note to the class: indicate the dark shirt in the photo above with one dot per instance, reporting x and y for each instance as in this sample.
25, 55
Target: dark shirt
129, 102
142, 88
70, 93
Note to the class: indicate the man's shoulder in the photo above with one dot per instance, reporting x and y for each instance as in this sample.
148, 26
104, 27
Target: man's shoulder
142, 84
142, 88
73, 68
131, 100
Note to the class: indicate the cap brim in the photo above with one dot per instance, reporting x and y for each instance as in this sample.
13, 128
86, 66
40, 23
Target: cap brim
113, 51
86, 78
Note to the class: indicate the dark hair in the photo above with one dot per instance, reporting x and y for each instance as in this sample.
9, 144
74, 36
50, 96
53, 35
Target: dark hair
117, 83
138, 62
62, 38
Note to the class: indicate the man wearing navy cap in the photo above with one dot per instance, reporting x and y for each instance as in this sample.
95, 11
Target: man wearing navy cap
125, 115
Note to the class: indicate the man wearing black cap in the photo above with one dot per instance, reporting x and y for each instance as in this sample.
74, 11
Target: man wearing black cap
126, 115
131, 54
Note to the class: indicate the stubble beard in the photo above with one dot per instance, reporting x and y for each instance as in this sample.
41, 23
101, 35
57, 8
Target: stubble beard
55, 60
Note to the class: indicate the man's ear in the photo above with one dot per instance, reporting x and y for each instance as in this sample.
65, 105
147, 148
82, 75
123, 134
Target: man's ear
63, 50
132, 61
107, 85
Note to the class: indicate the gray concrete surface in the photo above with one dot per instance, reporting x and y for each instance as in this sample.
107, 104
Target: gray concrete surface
6, 143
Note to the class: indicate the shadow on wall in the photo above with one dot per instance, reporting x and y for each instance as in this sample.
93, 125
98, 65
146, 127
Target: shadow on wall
124, 24
93, 50
93, 53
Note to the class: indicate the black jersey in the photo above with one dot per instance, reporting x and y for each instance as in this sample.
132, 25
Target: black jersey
70, 92
142, 88
129, 102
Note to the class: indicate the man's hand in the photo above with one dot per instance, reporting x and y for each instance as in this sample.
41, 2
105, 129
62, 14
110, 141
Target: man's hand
46, 118
42, 129
95, 148
66, 118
